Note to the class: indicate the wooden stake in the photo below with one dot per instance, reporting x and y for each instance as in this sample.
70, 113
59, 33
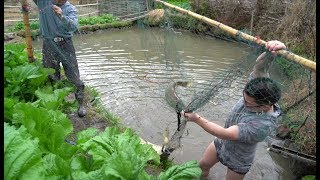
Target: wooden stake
25, 13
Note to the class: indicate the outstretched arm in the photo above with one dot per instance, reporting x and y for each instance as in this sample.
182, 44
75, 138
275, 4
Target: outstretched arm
264, 61
230, 133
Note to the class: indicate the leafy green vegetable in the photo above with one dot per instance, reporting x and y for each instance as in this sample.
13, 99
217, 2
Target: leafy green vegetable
52, 100
8, 108
120, 155
86, 135
14, 55
82, 169
189, 170
22, 79
34, 25
22, 155
103, 19
125, 165
51, 127
308, 177
56, 167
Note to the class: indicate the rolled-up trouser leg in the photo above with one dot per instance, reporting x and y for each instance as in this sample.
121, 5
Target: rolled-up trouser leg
70, 65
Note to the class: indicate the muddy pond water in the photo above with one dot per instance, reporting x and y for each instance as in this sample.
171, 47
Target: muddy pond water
132, 67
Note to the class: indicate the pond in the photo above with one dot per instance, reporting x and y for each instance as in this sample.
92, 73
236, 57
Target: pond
131, 69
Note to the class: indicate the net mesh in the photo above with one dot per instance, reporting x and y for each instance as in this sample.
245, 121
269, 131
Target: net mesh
232, 81
150, 67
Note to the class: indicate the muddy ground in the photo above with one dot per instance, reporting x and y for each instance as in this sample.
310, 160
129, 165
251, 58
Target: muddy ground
94, 117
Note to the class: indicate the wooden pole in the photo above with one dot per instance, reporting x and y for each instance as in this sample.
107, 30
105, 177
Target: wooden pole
25, 12
235, 33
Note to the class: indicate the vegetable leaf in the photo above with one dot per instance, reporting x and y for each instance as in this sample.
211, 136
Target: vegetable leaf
86, 135
8, 108
52, 100
22, 155
51, 127
121, 155
57, 168
189, 170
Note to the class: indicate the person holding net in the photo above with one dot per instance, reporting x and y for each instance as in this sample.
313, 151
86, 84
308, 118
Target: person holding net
58, 22
251, 120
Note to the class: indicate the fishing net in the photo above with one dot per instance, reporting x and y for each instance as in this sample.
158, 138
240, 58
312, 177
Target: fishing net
227, 84
147, 74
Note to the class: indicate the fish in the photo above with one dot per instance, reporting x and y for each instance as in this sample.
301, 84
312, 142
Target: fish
172, 98
175, 102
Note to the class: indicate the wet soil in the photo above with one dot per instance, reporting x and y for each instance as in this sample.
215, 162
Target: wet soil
92, 119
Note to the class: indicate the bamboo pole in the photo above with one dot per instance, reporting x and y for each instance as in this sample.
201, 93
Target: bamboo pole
25, 13
236, 33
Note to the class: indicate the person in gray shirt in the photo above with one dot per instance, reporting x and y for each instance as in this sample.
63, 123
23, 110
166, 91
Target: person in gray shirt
251, 120
58, 22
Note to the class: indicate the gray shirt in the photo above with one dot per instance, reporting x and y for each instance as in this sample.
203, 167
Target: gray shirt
51, 25
253, 128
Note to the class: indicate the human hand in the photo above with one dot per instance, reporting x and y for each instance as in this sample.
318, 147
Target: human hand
190, 116
274, 46
57, 10
264, 61
26, 7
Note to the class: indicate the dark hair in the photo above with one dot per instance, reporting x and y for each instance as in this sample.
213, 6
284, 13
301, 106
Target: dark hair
264, 90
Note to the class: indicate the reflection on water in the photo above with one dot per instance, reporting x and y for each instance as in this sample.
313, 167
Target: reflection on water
131, 68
